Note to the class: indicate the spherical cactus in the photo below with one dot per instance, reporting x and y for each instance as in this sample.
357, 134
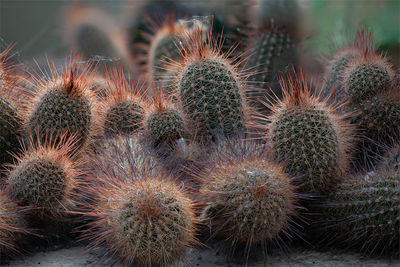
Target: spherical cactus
364, 212
123, 108
141, 216
163, 121
377, 120
211, 89
366, 76
307, 133
63, 102
44, 178
249, 199
12, 225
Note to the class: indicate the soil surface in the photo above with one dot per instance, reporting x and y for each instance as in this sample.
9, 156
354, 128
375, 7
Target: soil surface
77, 257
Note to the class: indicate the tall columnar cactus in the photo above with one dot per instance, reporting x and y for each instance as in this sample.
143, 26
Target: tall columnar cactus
210, 89
44, 177
364, 212
307, 133
272, 52
163, 121
283, 12
63, 102
141, 216
123, 107
249, 199
12, 225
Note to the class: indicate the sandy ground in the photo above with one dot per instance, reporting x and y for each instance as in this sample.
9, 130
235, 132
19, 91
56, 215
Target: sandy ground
77, 256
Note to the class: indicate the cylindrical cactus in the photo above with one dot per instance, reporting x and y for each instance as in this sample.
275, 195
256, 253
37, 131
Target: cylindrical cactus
44, 177
141, 216
307, 133
377, 119
249, 199
63, 102
12, 225
364, 212
123, 107
210, 89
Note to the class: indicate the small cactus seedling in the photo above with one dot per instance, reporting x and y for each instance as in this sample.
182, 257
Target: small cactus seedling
63, 102
249, 199
123, 107
12, 225
44, 177
309, 135
364, 212
210, 88
163, 122
141, 216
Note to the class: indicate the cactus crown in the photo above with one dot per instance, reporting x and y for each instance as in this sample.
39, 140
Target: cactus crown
309, 134
210, 87
45, 176
152, 222
63, 102
163, 120
123, 107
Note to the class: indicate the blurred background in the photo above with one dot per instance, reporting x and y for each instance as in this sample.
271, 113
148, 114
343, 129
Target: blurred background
40, 27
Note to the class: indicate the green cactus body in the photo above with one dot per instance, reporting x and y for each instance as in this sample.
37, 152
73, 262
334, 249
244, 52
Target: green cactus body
335, 72
147, 223
377, 119
283, 12
39, 183
58, 112
364, 211
211, 97
272, 51
10, 124
124, 117
307, 138
248, 203
364, 80
167, 125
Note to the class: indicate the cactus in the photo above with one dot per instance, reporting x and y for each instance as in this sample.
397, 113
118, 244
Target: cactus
309, 135
12, 225
64, 102
44, 177
364, 212
123, 108
211, 90
377, 119
272, 50
249, 199
163, 121
142, 217
367, 74
283, 12
391, 159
